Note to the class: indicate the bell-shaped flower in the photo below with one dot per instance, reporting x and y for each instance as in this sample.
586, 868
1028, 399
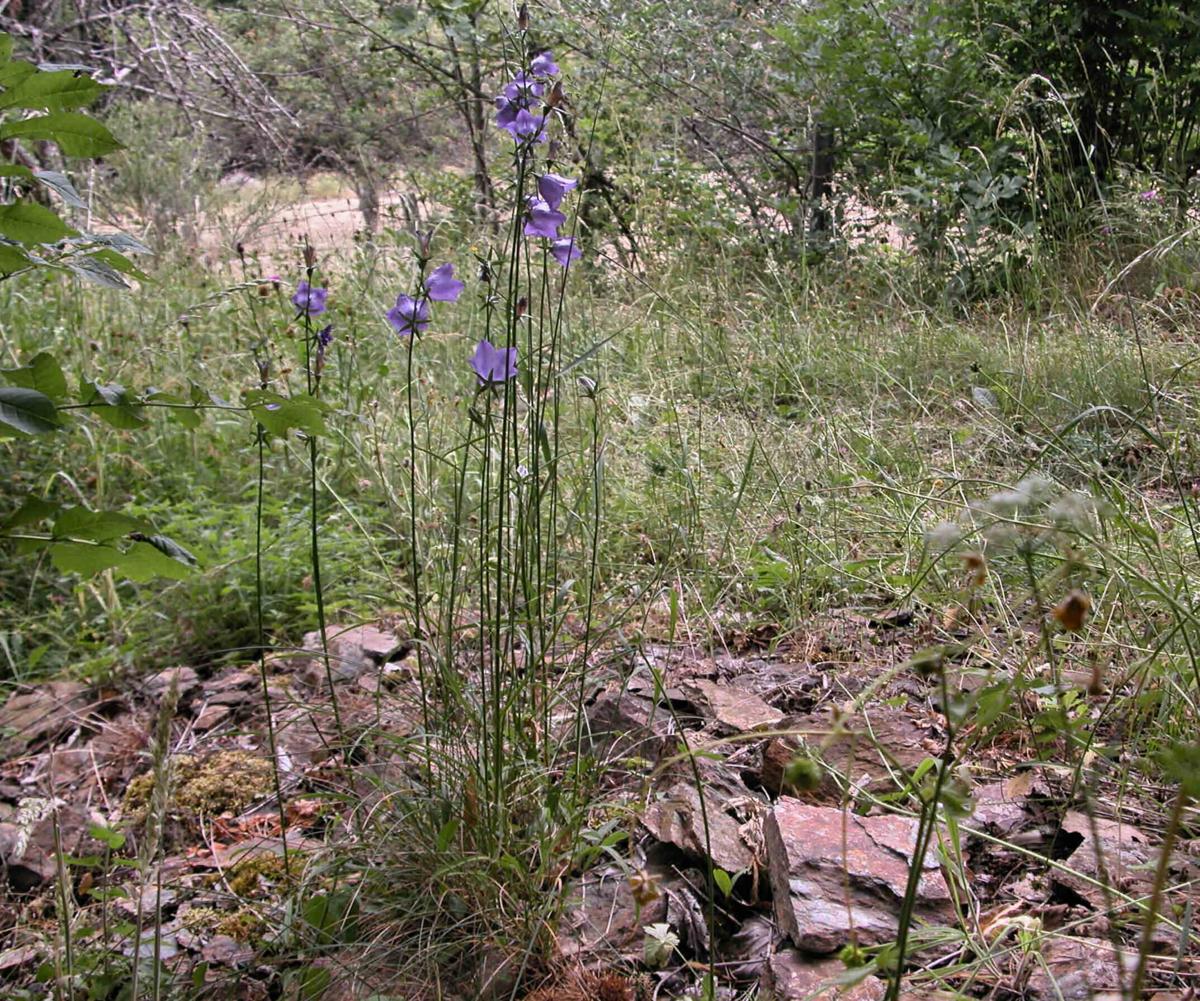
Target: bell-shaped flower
309, 299
528, 127
554, 188
543, 64
409, 316
442, 286
543, 220
492, 365
564, 251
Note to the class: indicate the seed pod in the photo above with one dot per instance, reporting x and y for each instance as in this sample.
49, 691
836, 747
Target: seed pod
1072, 611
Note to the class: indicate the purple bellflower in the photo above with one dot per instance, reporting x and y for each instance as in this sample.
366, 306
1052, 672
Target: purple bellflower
544, 65
543, 220
309, 299
528, 127
518, 96
494, 366
564, 251
554, 188
409, 315
442, 286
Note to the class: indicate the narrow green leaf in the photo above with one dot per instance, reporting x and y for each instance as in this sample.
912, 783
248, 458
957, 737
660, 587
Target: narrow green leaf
76, 134
6, 46
41, 373
27, 410
28, 222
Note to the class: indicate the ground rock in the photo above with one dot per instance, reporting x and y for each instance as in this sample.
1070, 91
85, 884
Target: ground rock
28, 844
352, 652
31, 718
735, 709
601, 916
789, 975
677, 818
624, 725
1124, 855
1077, 969
184, 678
809, 875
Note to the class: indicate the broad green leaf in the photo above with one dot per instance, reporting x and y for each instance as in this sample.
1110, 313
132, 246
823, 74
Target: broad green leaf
41, 373
13, 259
12, 73
84, 557
122, 242
145, 562
61, 185
95, 526
180, 411
33, 510
27, 410
16, 170
28, 222
55, 91
120, 409
279, 414
6, 46
167, 546
95, 270
119, 262
76, 134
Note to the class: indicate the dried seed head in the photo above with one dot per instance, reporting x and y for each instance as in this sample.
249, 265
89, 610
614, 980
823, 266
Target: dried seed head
977, 565
644, 887
1072, 611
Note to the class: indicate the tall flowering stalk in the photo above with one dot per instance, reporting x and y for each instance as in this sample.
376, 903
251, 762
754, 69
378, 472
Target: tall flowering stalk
409, 318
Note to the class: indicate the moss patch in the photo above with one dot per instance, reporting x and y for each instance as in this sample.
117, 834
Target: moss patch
224, 782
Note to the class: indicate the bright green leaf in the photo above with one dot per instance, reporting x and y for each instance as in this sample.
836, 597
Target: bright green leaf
76, 134
83, 557
28, 222
145, 562
95, 526
59, 91
42, 373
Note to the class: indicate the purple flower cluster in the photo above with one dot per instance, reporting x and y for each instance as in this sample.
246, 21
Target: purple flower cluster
544, 216
515, 107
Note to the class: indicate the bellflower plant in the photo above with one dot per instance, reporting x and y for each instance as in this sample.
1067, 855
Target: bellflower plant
442, 286
543, 64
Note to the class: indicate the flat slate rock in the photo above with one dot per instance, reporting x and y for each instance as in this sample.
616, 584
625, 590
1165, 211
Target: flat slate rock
1079, 969
820, 897
735, 709
789, 975
353, 651
677, 818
